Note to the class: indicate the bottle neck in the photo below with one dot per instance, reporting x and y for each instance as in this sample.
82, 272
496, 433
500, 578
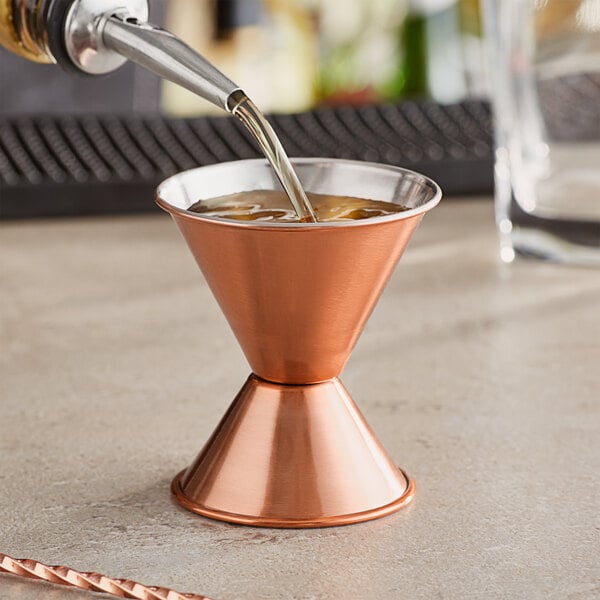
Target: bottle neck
23, 28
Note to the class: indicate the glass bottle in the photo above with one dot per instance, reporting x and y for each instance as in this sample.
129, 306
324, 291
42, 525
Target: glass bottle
23, 27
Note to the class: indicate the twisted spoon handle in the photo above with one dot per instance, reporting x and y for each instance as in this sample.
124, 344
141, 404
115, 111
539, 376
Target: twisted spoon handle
93, 582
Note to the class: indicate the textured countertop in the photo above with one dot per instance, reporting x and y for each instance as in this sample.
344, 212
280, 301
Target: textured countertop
481, 379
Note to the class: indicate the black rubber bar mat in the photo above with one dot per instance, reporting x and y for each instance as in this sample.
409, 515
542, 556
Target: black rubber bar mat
75, 165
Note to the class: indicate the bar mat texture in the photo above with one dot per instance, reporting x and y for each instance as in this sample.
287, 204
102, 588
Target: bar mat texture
75, 165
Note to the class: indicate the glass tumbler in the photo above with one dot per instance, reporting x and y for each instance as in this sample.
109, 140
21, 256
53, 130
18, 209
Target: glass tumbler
544, 61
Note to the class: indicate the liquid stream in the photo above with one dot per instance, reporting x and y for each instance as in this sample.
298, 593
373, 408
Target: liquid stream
273, 205
269, 143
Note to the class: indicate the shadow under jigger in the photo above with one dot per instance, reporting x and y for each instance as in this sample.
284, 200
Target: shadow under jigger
293, 449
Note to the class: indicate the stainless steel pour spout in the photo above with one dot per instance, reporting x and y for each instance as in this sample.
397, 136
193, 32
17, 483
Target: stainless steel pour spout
99, 35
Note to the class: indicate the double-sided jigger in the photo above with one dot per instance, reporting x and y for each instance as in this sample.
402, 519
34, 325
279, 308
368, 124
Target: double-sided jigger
293, 450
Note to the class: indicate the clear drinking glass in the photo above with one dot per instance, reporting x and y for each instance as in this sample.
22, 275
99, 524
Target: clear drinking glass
544, 60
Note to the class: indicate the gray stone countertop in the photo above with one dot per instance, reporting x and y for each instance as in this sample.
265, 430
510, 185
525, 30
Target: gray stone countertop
481, 379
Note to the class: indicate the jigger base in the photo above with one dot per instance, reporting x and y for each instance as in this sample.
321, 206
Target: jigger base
257, 521
293, 456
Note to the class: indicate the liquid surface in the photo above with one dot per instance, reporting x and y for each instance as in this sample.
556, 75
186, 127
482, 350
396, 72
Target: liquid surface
273, 205
269, 143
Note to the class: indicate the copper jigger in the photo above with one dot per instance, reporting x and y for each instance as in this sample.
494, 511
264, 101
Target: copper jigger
293, 449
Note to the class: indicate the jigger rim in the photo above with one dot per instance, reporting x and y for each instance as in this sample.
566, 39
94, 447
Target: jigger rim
296, 161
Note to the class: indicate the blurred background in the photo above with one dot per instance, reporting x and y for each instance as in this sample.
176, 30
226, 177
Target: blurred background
395, 81
289, 55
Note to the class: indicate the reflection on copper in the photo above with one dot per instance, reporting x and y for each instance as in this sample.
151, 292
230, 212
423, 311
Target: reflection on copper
92, 582
293, 450
296, 298
293, 456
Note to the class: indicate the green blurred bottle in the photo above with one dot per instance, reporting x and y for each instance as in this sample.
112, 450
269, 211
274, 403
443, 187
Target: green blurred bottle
430, 51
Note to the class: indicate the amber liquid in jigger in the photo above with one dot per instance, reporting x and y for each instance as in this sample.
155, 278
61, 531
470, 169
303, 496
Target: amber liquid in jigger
274, 206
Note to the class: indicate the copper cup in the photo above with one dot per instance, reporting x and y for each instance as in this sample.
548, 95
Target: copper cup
293, 449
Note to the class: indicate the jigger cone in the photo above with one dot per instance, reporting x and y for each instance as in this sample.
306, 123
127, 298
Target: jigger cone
293, 449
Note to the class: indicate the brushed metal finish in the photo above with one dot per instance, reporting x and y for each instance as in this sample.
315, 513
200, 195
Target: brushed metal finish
169, 57
293, 449
293, 456
297, 295
100, 35
296, 299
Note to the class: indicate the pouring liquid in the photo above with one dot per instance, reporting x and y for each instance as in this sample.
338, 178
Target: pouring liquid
261, 130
